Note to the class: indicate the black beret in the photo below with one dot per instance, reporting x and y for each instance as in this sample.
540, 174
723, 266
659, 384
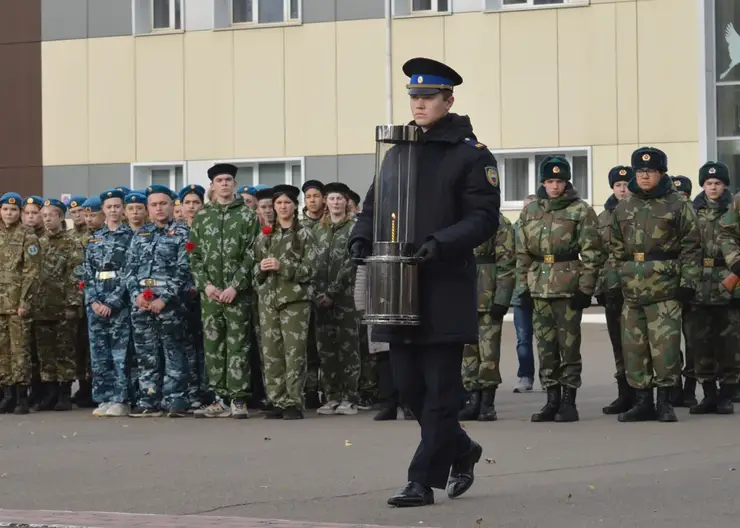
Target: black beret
289, 190
336, 187
222, 168
354, 197
554, 168
620, 173
264, 194
682, 184
649, 158
716, 170
313, 184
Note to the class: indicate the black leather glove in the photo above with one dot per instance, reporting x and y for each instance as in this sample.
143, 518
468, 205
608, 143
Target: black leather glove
525, 300
360, 249
684, 294
428, 251
580, 301
498, 311
601, 299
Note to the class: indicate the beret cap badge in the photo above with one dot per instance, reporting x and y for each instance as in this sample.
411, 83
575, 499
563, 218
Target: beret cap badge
110, 194
646, 157
47, 202
11, 201
30, 201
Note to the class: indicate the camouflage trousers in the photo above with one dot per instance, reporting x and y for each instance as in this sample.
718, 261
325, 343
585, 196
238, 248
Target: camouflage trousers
480, 363
651, 341
193, 343
110, 339
55, 344
713, 333
284, 336
15, 351
613, 313
368, 384
161, 360
82, 350
312, 355
227, 345
557, 328
338, 343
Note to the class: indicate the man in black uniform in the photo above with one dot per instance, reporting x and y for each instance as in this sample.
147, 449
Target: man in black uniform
457, 209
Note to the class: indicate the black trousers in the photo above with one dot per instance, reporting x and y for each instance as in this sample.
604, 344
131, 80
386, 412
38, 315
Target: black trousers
429, 381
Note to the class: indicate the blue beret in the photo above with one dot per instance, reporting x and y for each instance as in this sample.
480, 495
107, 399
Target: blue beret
11, 198
112, 193
260, 187
192, 188
56, 203
135, 197
245, 189
92, 205
124, 190
159, 189
35, 200
76, 201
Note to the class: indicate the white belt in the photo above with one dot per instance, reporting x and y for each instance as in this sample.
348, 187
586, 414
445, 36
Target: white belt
106, 275
152, 283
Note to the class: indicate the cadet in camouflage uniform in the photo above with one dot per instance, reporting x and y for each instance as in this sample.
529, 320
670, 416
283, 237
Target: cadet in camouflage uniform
655, 242
609, 294
31, 217
481, 375
554, 229
108, 313
19, 273
314, 198
221, 261
57, 308
94, 216
284, 258
337, 320
77, 215
157, 270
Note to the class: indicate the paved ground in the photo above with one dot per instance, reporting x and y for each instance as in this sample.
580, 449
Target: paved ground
341, 469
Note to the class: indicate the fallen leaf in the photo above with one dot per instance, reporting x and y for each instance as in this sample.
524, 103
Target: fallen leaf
347, 443
527, 448
3, 475
591, 487
268, 438
64, 436
490, 461
74, 434
570, 495
265, 487
732, 469
479, 521
147, 453
31, 432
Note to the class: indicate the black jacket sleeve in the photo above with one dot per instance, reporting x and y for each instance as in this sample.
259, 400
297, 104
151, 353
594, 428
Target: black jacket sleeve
363, 229
480, 202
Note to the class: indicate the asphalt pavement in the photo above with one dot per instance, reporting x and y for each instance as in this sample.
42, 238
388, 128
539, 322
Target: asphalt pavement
339, 469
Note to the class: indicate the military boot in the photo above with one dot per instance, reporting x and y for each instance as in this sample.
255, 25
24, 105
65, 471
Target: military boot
676, 396
663, 406
567, 411
7, 402
313, 400
471, 409
548, 412
21, 404
625, 398
689, 393
487, 406
63, 401
50, 393
724, 400
643, 410
708, 404
83, 396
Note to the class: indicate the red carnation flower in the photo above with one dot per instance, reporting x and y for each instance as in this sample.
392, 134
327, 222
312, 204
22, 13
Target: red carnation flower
148, 295
267, 230
81, 285
189, 247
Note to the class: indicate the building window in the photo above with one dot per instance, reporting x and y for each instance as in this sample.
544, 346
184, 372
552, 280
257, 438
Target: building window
727, 86
170, 174
264, 11
519, 177
166, 14
502, 5
429, 6
531, 2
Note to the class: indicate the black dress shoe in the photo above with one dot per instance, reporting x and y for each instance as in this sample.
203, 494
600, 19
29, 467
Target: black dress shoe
462, 475
414, 494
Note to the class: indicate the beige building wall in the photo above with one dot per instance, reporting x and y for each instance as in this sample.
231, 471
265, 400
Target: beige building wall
599, 76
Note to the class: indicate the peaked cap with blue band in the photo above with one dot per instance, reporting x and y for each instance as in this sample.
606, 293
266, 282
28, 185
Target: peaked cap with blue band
428, 76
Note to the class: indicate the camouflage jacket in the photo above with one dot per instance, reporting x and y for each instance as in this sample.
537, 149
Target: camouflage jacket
729, 237
61, 269
223, 236
607, 271
656, 244
158, 254
308, 222
334, 269
296, 251
106, 254
496, 260
81, 234
552, 233
20, 261
709, 289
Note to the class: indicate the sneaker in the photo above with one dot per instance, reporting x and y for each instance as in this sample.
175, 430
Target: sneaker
346, 408
366, 404
177, 411
218, 410
239, 409
101, 409
328, 408
292, 413
524, 385
145, 412
201, 411
118, 410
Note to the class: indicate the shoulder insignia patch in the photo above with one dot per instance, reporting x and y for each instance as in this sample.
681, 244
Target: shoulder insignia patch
33, 250
144, 233
93, 240
474, 143
492, 176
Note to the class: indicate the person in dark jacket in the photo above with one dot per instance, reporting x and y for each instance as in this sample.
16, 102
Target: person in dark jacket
457, 209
